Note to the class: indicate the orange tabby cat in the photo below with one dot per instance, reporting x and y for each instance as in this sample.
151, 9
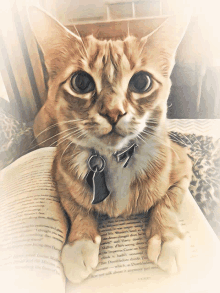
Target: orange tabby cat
106, 108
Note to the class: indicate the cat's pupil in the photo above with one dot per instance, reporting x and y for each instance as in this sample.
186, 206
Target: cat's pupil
82, 82
140, 82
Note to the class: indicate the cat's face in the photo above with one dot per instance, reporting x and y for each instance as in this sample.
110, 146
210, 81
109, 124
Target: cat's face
108, 91
111, 91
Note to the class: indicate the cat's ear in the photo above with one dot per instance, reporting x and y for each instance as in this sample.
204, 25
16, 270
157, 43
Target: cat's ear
55, 41
161, 45
51, 35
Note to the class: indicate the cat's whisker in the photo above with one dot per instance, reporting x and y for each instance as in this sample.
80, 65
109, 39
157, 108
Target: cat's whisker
81, 135
65, 130
161, 142
197, 140
65, 150
140, 138
52, 126
141, 51
155, 136
63, 138
55, 135
178, 139
152, 120
58, 141
211, 179
53, 143
40, 143
81, 41
152, 124
78, 144
187, 138
128, 30
151, 128
58, 123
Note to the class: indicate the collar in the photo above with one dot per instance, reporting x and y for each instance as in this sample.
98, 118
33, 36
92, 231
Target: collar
125, 155
96, 176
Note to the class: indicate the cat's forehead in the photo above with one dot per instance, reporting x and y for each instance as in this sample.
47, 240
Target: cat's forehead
111, 55
108, 60
94, 45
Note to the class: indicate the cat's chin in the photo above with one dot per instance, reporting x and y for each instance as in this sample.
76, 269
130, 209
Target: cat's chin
112, 139
109, 143
115, 142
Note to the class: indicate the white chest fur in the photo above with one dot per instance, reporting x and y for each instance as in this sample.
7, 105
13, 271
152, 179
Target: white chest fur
118, 178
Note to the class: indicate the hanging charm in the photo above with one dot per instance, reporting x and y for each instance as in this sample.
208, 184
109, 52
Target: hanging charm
96, 178
126, 155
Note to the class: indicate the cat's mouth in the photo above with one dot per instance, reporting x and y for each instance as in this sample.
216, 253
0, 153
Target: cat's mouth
112, 138
112, 133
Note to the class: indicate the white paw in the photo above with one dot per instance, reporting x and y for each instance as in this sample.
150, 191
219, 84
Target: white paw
171, 256
80, 259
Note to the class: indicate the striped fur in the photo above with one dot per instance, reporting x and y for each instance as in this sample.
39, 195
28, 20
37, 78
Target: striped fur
159, 172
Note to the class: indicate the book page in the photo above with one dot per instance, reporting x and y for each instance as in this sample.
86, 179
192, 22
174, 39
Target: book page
32, 226
124, 266
33, 230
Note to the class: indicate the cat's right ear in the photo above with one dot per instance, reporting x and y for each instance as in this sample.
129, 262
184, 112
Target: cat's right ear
51, 35
161, 45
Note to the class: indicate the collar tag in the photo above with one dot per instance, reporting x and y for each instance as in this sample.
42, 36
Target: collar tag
96, 178
126, 155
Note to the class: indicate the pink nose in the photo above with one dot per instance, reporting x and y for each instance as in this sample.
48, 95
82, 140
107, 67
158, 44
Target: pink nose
112, 115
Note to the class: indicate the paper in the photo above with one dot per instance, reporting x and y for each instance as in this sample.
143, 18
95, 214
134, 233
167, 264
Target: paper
33, 231
32, 226
124, 266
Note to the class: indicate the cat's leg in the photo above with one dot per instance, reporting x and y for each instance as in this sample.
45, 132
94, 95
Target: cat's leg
80, 253
168, 246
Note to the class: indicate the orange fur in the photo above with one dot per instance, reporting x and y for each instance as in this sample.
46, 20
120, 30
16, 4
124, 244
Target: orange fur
159, 172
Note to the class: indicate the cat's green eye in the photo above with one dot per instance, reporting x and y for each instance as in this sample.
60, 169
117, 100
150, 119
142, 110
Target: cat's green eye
82, 82
140, 82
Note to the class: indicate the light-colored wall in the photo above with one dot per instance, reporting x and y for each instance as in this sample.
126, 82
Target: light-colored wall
71, 11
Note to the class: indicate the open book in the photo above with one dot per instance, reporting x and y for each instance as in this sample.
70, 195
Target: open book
33, 230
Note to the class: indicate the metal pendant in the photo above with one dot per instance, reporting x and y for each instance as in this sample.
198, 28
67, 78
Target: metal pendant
126, 155
96, 178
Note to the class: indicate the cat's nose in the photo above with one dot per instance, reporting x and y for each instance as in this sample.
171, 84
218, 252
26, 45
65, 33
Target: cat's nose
113, 115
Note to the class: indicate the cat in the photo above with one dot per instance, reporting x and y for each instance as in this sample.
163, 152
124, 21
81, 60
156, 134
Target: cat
106, 109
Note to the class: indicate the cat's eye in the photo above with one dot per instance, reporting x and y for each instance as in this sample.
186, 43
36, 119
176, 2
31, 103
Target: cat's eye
82, 82
140, 82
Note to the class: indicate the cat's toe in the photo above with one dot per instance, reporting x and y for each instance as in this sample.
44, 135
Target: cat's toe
172, 256
154, 248
80, 259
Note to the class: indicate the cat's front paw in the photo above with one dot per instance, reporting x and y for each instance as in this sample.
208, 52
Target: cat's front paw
80, 259
171, 256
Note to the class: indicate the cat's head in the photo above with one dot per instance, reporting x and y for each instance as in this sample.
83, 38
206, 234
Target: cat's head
103, 93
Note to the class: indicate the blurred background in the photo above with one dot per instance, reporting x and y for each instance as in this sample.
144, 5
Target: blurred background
195, 91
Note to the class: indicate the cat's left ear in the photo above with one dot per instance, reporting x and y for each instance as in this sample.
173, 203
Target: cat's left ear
53, 38
161, 45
